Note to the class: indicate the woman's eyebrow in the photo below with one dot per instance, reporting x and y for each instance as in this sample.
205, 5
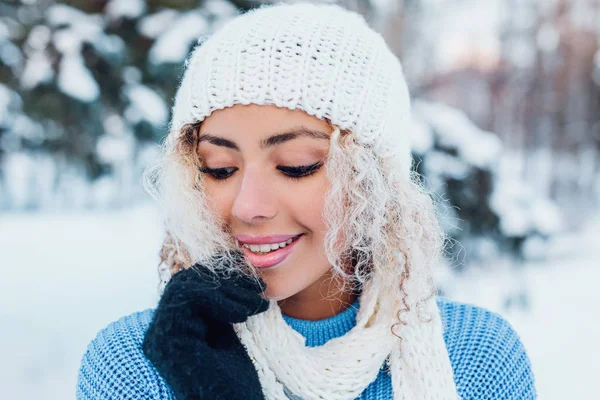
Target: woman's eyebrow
300, 131
218, 141
271, 141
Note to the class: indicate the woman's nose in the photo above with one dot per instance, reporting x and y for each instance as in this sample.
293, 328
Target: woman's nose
254, 201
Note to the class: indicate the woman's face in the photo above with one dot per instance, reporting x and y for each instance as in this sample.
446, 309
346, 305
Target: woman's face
265, 177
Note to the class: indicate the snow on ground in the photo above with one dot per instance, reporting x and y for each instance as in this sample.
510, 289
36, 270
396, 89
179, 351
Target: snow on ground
66, 276
561, 332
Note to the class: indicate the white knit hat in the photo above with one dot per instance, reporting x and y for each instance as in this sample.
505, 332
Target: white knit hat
321, 59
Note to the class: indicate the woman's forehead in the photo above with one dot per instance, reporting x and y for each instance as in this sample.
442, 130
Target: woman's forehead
259, 120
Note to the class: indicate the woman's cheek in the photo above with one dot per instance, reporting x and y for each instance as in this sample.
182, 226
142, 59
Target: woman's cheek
313, 205
220, 200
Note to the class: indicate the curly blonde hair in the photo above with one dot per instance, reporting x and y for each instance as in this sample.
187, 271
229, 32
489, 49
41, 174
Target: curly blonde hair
378, 222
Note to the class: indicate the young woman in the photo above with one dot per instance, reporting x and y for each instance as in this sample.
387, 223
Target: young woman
299, 245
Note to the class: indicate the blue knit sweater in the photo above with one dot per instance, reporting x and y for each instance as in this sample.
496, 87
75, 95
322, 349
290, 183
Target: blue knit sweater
487, 357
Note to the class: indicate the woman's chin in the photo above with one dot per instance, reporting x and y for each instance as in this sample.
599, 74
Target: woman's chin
279, 293
274, 296
277, 298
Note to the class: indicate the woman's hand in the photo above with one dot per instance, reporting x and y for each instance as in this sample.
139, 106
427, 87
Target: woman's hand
191, 341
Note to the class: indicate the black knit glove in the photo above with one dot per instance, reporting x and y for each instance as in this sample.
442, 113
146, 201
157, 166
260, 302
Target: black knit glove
191, 341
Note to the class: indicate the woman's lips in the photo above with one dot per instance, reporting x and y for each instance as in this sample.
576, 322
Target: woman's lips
264, 239
272, 258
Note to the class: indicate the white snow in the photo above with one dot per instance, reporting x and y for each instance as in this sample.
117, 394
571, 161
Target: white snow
39, 37
148, 104
546, 217
8, 99
131, 9
70, 40
523, 15
521, 210
155, 24
596, 72
79, 27
221, 9
582, 14
10, 54
560, 332
548, 38
61, 14
173, 45
115, 149
25, 127
132, 75
67, 41
68, 275
114, 125
109, 44
4, 32
516, 222
76, 80
546, 6
38, 69
438, 163
521, 52
16, 168
455, 130
5, 96
421, 137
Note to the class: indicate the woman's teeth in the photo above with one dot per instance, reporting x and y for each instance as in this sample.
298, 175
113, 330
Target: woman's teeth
267, 248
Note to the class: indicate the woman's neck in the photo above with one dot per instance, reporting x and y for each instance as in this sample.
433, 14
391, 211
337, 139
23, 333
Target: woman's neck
323, 299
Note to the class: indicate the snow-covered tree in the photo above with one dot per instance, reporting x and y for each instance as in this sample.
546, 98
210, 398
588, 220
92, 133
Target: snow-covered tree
96, 77
485, 207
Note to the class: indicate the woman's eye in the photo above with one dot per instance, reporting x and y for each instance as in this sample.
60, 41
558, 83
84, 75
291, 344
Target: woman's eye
219, 173
297, 172
294, 172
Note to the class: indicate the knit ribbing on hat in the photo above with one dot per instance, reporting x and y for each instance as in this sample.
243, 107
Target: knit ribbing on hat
321, 59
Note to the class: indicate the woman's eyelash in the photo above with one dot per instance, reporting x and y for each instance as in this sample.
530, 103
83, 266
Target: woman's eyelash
300, 171
219, 173
293, 172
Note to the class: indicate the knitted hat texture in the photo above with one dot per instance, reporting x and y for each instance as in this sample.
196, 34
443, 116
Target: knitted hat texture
321, 59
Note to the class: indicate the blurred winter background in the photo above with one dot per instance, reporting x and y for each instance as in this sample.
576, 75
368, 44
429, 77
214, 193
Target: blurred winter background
506, 132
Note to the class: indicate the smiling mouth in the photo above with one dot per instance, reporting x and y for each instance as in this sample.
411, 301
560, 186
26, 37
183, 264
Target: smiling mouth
261, 249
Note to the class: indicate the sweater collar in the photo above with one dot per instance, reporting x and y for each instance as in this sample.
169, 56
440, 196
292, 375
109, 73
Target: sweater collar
319, 332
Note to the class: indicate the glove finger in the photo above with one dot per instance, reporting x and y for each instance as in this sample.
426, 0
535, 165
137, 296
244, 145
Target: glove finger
202, 293
234, 284
229, 266
244, 305
245, 292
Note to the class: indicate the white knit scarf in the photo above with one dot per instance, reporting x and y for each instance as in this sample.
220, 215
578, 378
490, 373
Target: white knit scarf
343, 367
